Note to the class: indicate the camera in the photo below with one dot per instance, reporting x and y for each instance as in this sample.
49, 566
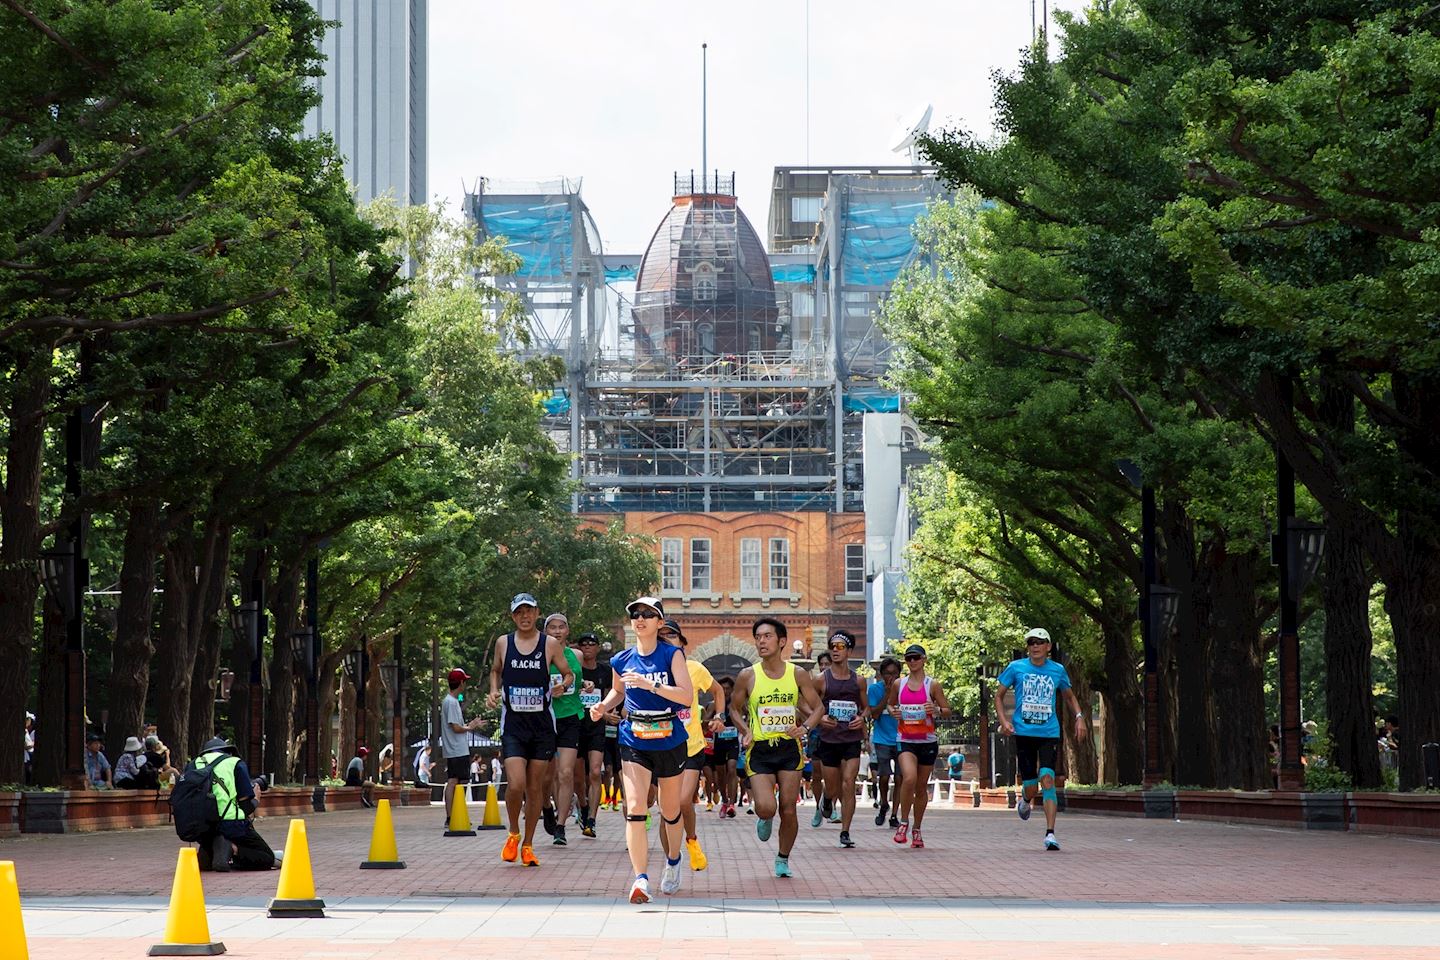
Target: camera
262, 782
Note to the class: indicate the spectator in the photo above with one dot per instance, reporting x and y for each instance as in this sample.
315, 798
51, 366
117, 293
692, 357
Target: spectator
29, 747
97, 768
422, 766
355, 776
157, 756
955, 762
387, 763
475, 764
234, 843
130, 772
497, 769
1392, 731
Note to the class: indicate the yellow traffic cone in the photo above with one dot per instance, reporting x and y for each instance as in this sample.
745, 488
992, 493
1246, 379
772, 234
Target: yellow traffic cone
295, 897
459, 816
187, 932
383, 853
12, 925
491, 820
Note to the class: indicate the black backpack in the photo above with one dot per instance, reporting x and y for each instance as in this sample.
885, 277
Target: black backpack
192, 802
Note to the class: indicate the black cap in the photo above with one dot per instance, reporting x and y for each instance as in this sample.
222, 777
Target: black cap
913, 649
679, 634
218, 743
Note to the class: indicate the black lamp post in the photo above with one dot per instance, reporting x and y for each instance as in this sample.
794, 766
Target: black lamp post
66, 575
392, 675
985, 674
1149, 568
245, 620
1298, 558
357, 671
303, 652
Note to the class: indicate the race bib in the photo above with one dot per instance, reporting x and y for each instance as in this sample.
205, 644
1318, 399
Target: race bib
527, 699
709, 744
651, 729
1037, 700
570, 688
776, 719
728, 733
590, 698
844, 710
612, 731
913, 720
683, 714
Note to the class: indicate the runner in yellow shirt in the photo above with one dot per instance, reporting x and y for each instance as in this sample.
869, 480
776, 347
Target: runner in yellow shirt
695, 724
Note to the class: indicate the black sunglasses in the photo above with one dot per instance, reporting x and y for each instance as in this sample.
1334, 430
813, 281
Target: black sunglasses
589, 642
645, 615
1035, 642
914, 656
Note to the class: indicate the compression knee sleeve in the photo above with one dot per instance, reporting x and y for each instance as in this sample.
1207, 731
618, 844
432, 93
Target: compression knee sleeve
1048, 793
1027, 784
668, 820
636, 817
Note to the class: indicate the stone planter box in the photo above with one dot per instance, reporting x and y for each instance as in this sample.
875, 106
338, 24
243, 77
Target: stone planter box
9, 813
1273, 807
1128, 803
1417, 814
997, 797
89, 810
1158, 804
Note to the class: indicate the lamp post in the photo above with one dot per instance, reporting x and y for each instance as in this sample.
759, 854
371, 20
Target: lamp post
302, 650
317, 649
66, 575
392, 675
985, 674
357, 671
247, 622
1297, 549
1148, 570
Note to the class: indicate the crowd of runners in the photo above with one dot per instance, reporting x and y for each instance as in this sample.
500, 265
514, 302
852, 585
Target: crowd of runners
653, 730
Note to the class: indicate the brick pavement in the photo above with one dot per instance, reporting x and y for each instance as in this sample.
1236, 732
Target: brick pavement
969, 853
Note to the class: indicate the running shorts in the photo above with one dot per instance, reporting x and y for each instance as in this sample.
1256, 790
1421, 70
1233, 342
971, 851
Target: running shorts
567, 732
1032, 753
660, 763
769, 757
925, 753
834, 754
531, 742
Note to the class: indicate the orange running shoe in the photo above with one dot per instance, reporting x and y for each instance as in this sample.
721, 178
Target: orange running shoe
527, 857
512, 848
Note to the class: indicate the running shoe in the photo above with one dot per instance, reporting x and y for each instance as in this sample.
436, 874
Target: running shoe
818, 817
1022, 807
845, 840
782, 866
723, 808
547, 816
894, 821
670, 879
647, 821
903, 833
750, 810
511, 849
640, 890
559, 840
762, 828
527, 856
1051, 843
698, 860
915, 841
828, 808
880, 817
730, 810
588, 830
709, 805
835, 814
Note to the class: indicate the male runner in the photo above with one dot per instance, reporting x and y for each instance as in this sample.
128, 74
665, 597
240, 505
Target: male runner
700, 679
884, 737
775, 708
520, 679
1035, 726
596, 683
567, 735
841, 729
727, 753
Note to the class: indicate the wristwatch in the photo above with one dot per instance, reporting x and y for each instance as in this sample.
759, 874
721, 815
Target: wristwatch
1079, 716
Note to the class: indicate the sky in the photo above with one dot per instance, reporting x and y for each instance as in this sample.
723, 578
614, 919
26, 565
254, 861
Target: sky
611, 92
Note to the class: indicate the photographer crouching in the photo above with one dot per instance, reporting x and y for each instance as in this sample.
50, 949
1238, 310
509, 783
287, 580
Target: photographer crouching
232, 843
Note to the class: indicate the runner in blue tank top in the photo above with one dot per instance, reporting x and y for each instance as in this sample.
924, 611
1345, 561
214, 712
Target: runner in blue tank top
652, 680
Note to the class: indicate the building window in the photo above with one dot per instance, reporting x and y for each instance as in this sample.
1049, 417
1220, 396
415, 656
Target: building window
805, 209
779, 565
854, 568
750, 566
700, 565
672, 556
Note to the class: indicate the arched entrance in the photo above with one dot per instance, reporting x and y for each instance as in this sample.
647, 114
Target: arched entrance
726, 655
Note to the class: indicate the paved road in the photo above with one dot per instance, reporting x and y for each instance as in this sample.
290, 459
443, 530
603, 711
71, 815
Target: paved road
1121, 888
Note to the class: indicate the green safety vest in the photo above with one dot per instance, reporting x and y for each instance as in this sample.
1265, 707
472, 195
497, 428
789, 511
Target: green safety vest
222, 784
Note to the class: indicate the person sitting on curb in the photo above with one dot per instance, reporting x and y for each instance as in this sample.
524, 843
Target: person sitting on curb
355, 776
130, 770
97, 768
233, 844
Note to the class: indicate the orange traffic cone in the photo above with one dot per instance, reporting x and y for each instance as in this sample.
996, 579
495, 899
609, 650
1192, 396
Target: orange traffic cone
459, 816
295, 896
187, 932
12, 925
383, 853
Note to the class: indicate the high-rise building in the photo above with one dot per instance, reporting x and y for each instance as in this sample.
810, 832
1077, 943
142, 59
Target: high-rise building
373, 94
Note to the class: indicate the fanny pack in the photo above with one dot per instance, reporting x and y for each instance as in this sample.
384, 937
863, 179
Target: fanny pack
651, 724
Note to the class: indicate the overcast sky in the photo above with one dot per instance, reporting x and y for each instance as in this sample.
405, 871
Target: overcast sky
611, 91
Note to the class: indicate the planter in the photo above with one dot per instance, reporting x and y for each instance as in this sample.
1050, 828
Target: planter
9, 813
43, 812
1273, 807
1323, 811
1158, 804
1126, 803
286, 802
89, 810
996, 797
1417, 814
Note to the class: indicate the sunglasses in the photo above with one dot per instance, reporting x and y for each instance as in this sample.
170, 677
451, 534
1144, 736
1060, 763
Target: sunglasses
645, 615
589, 643
1036, 642
914, 656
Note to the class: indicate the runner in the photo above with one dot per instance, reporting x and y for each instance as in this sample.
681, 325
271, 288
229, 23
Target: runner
770, 697
885, 739
915, 702
841, 729
651, 679
695, 729
727, 754
814, 772
567, 735
1035, 726
520, 680
596, 683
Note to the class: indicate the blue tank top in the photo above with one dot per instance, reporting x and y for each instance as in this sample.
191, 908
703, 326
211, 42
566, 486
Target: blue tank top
650, 723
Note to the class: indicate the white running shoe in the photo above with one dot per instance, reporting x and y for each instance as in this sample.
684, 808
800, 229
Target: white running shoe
1051, 843
670, 879
1022, 807
640, 890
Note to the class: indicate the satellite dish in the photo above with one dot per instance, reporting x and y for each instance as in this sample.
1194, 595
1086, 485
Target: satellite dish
910, 131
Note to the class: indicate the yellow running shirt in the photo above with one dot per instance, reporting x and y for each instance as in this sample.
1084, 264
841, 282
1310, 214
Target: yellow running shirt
700, 679
774, 705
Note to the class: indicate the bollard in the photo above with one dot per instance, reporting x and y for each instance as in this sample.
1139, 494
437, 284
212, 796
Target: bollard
1430, 752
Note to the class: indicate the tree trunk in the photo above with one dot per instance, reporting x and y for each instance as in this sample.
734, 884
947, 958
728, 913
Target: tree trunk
280, 704
1194, 741
326, 687
49, 761
1349, 697
1237, 671
1412, 601
346, 704
175, 659
20, 549
1124, 706
204, 622
134, 625
1080, 758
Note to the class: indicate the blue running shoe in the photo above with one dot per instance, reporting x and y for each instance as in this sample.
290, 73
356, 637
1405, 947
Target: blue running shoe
782, 867
762, 828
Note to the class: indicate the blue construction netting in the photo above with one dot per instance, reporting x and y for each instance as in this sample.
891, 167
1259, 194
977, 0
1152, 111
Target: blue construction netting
557, 403
793, 273
871, 402
879, 242
541, 235
613, 274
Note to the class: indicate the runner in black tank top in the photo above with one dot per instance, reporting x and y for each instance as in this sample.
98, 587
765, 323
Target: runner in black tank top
842, 728
520, 679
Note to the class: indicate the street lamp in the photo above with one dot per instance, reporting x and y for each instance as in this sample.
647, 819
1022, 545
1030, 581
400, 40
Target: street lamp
222, 689
247, 622
1149, 570
985, 674
357, 670
300, 650
1164, 609
392, 675
57, 570
66, 573
1304, 549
